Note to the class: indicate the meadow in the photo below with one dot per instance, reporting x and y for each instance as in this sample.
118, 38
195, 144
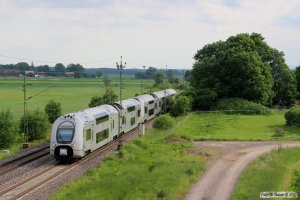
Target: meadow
220, 126
73, 94
270, 172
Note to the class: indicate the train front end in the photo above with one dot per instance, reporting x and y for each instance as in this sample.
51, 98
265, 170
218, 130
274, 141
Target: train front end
66, 138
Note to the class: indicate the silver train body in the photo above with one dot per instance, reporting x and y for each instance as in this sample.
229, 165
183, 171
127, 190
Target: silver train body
76, 134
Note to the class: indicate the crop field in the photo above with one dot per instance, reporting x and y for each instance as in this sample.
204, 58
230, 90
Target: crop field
219, 126
73, 94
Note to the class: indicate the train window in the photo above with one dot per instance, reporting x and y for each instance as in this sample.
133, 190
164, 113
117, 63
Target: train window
102, 135
151, 102
123, 120
146, 110
160, 104
151, 112
155, 106
101, 119
132, 121
139, 113
113, 123
88, 134
131, 108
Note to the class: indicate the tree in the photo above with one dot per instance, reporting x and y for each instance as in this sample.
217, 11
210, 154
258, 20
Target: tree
8, 129
297, 74
108, 98
60, 68
187, 75
244, 66
75, 68
43, 68
181, 106
38, 125
159, 78
53, 110
99, 74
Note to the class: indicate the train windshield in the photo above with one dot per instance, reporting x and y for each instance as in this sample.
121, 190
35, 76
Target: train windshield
65, 135
65, 132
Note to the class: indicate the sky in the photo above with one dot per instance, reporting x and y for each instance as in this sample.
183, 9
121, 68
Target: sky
159, 33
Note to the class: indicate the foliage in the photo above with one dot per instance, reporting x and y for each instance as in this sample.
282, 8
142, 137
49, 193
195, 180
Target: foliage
99, 74
159, 79
181, 106
108, 98
53, 110
267, 173
244, 66
163, 122
42, 68
292, 117
38, 125
242, 106
60, 68
297, 75
278, 132
106, 81
8, 129
295, 184
75, 68
187, 75
204, 99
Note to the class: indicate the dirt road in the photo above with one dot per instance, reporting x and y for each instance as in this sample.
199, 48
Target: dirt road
219, 180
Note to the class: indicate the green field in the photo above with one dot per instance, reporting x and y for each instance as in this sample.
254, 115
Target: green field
270, 172
219, 126
74, 94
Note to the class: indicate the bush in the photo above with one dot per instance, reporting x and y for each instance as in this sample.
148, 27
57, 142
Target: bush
292, 117
38, 125
163, 122
181, 106
204, 99
8, 129
278, 132
241, 106
53, 110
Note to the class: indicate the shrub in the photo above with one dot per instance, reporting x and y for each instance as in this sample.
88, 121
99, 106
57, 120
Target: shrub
278, 132
53, 110
241, 106
163, 122
204, 99
8, 129
38, 125
181, 106
292, 117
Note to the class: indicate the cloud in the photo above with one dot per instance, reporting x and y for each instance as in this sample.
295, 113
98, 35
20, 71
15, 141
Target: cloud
152, 32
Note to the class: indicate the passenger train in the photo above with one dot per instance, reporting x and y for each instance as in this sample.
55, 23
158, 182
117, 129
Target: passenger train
74, 135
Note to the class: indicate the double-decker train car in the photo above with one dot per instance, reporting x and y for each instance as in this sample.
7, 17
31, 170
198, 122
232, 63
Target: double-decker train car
74, 135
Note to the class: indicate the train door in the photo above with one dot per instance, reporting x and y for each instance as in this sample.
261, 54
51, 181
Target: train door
88, 139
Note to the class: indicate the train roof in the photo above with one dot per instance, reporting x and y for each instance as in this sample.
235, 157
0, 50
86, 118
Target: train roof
164, 93
145, 97
95, 112
127, 103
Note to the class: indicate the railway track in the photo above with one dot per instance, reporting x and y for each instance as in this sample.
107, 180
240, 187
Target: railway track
26, 186
20, 161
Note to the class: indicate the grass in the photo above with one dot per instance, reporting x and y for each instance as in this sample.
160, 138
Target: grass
158, 165
73, 94
270, 172
219, 126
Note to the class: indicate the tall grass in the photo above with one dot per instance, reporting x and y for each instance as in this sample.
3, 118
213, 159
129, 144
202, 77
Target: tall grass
268, 173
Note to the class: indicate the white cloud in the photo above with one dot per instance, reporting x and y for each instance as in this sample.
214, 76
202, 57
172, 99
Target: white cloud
151, 32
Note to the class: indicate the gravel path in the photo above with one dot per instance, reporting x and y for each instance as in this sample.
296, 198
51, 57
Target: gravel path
219, 180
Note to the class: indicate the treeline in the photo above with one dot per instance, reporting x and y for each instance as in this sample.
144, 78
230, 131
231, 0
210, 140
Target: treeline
244, 66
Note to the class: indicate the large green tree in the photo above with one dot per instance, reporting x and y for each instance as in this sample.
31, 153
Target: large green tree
244, 66
53, 110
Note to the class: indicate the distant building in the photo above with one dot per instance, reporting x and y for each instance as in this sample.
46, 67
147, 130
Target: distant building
70, 74
29, 73
10, 72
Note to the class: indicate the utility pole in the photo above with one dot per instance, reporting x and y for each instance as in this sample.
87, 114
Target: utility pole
166, 89
120, 67
142, 81
25, 127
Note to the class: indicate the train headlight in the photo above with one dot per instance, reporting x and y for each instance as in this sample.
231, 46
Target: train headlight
54, 145
73, 145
